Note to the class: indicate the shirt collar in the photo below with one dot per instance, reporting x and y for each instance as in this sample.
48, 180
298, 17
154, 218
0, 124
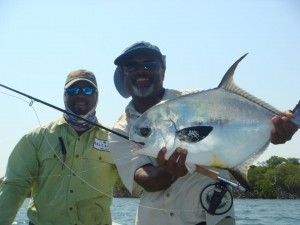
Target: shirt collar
62, 121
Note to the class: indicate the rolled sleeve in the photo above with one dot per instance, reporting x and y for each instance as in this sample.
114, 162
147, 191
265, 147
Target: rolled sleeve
126, 162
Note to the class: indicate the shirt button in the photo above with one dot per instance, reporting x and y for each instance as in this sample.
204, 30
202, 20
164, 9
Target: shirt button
100, 158
54, 156
77, 156
70, 208
168, 194
71, 191
171, 214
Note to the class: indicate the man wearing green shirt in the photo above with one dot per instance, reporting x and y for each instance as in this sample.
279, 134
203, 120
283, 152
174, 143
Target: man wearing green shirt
65, 165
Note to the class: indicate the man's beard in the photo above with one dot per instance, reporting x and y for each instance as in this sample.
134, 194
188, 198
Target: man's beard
143, 91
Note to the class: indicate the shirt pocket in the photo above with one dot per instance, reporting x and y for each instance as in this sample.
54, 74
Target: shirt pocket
100, 169
49, 158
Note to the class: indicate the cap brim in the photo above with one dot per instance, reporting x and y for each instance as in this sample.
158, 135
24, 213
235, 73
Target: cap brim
119, 82
125, 57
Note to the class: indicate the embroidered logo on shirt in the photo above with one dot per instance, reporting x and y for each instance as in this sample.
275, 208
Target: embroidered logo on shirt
101, 145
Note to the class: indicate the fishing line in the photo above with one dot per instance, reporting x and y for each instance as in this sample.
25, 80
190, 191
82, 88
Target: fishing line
51, 148
14, 97
72, 172
32, 100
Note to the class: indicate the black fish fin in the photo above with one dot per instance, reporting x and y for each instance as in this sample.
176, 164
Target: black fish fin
243, 180
194, 134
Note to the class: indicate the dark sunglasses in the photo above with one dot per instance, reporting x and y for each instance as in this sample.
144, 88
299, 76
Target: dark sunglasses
147, 66
84, 90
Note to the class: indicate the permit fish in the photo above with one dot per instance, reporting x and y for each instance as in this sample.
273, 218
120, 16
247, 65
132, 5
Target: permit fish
224, 127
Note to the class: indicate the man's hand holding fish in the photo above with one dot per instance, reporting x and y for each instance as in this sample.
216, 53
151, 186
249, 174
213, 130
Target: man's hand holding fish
161, 177
284, 129
175, 165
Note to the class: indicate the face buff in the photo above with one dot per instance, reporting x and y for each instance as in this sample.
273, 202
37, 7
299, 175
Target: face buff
78, 124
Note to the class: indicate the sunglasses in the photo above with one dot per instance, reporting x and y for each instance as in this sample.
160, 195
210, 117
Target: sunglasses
146, 66
84, 90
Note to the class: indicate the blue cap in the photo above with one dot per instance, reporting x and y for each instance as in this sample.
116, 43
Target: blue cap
139, 48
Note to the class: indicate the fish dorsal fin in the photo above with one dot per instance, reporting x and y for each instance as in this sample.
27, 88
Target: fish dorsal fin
227, 79
228, 83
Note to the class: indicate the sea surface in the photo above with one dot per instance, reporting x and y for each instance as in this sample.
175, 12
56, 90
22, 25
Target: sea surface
247, 211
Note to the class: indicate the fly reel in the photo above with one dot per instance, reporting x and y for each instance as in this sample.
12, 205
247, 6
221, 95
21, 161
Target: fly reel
216, 199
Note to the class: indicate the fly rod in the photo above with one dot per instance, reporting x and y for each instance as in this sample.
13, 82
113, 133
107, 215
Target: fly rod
64, 111
200, 169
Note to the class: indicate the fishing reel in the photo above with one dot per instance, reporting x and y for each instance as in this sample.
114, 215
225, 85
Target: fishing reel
216, 199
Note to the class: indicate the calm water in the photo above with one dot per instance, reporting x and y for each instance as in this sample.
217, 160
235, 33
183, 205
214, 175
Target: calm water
247, 211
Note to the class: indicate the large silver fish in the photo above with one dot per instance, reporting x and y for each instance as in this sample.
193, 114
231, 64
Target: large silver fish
224, 127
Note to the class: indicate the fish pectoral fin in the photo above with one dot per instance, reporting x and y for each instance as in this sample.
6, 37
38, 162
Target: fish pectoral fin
194, 134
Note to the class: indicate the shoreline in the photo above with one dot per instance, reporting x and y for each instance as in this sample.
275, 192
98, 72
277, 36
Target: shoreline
235, 194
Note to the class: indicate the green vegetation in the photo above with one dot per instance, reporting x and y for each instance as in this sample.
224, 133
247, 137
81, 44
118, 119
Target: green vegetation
121, 191
276, 178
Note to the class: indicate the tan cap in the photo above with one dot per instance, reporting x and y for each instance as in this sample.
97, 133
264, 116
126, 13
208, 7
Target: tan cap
78, 75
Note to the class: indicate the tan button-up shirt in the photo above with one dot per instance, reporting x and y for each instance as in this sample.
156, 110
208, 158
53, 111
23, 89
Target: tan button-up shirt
179, 204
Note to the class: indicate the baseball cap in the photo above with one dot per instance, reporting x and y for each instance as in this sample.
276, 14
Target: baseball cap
78, 75
138, 48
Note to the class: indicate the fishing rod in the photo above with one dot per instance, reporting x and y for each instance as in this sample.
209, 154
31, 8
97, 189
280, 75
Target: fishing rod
64, 111
199, 169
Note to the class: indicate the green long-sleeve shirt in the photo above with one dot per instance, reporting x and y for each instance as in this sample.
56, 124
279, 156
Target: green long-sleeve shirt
78, 191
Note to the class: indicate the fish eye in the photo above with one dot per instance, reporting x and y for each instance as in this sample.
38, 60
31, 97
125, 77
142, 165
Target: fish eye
144, 132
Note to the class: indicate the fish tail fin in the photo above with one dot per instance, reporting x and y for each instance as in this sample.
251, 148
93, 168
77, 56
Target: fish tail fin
296, 112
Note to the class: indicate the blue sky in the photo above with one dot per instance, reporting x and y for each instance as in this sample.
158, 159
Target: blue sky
42, 41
